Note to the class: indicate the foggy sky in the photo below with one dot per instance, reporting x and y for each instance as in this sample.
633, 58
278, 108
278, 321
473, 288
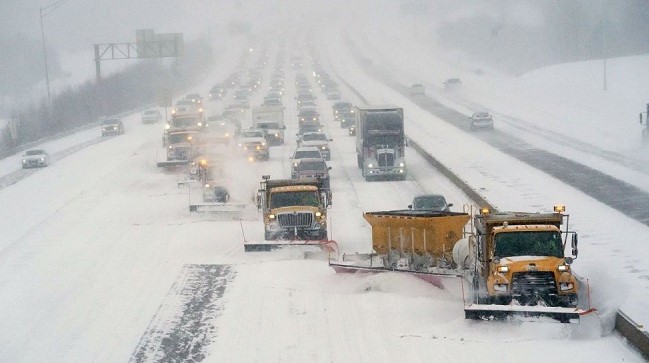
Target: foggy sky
513, 35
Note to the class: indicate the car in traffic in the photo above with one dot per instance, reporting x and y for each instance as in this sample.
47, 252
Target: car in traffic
318, 140
151, 116
347, 119
217, 92
452, 83
195, 98
112, 126
308, 114
341, 108
253, 143
417, 89
430, 202
313, 168
481, 120
352, 129
35, 158
305, 152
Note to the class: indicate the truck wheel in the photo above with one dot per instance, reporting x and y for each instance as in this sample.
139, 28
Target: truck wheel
360, 161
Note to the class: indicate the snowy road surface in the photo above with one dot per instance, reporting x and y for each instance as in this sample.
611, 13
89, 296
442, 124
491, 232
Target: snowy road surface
100, 260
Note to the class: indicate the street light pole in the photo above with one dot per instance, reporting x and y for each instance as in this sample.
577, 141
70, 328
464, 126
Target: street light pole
47, 75
44, 11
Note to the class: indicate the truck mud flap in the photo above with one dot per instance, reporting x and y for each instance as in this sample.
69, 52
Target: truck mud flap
523, 313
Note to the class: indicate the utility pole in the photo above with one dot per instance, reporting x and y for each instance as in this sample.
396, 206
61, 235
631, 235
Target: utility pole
47, 75
44, 11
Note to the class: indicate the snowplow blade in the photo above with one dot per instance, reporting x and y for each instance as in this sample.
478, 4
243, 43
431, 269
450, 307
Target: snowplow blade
320, 246
503, 312
433, 278
172, 163
219, 208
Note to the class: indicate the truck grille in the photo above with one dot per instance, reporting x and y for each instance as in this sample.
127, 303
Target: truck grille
290, 220
530, 287
386, 158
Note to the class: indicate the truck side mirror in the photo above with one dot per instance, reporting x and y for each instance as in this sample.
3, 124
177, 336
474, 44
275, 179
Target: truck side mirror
575, 250
329, 168
409, 206
640, 115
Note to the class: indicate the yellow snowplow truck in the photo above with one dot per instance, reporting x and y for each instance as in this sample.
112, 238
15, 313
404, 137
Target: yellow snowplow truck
521, 267
514, 261
294, 214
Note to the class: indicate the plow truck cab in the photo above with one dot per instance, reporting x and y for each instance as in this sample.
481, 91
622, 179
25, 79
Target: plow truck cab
521, 267
294, 213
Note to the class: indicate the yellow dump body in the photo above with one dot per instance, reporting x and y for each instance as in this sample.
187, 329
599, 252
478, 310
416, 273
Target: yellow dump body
421, 232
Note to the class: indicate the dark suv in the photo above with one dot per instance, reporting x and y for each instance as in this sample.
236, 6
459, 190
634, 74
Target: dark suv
313, 168
431, 202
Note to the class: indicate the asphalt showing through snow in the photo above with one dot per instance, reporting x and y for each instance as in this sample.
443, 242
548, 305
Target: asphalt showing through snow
184, 326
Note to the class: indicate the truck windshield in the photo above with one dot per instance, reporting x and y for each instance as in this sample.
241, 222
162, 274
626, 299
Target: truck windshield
185, 121
378, 122
312, 165
314, 137
527, 243
291, 199
268, 125
178, 138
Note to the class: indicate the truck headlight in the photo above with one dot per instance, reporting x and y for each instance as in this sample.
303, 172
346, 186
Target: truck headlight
370, 165
271, 216
402, 164
24, 161
503, 269
324, 148
500, 287
318, 214
566, 286
563, 268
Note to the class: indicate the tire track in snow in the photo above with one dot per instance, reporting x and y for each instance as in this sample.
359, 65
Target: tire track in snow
184, 325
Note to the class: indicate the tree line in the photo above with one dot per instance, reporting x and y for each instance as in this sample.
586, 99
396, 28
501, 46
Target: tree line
77, 106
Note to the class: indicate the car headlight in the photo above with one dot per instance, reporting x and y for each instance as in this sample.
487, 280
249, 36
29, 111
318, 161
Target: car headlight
324, 147
24, 161
503, 269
